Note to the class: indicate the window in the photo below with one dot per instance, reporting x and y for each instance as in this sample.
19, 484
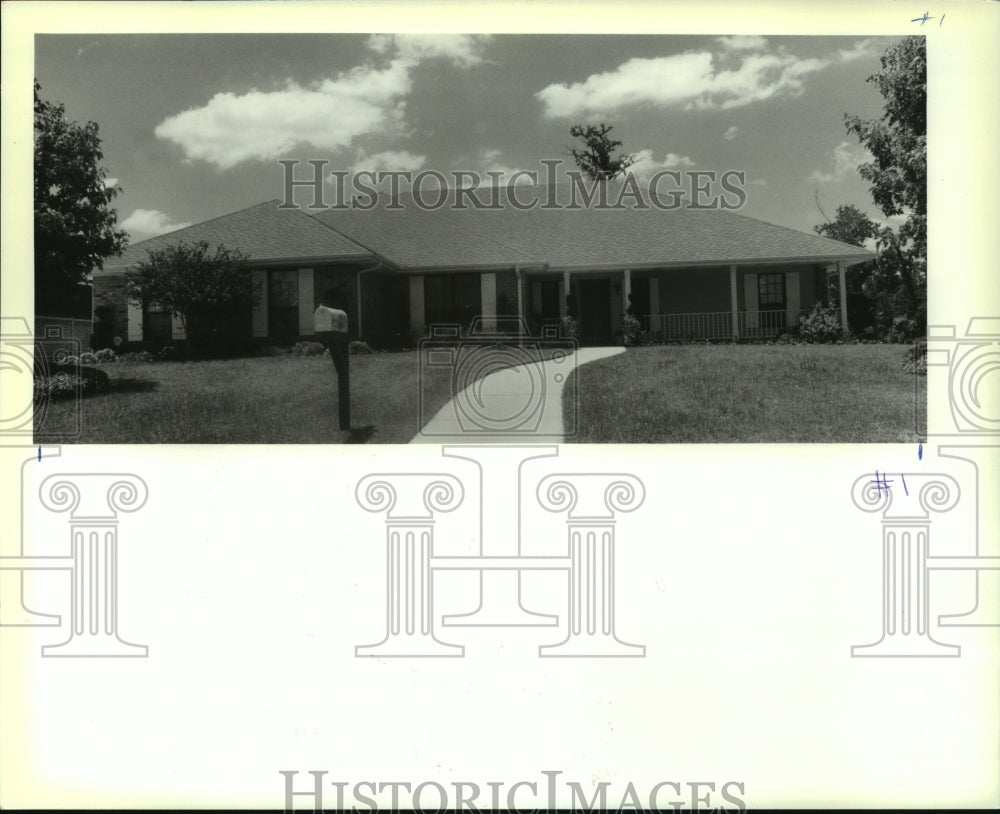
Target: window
771, 292
283, 303
156, 323
452, 298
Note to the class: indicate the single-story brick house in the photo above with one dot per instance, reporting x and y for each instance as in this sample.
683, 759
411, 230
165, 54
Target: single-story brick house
685, 273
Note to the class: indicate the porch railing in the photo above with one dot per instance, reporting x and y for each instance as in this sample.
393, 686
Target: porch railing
718, 325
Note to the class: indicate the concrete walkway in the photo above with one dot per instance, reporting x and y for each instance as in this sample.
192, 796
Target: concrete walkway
503, 407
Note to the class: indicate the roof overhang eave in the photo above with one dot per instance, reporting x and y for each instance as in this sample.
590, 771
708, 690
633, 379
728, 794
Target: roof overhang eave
270, 262
523, 265
848, 260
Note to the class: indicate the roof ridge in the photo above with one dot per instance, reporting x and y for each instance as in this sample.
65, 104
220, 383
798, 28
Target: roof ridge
354, 240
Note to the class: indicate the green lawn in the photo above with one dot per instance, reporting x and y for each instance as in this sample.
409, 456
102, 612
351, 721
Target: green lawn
273, 400
666, 394
747, 393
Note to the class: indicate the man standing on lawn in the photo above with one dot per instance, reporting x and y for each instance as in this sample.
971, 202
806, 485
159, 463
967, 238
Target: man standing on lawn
330, 325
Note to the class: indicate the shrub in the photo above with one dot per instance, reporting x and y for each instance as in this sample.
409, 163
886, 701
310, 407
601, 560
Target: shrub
632, 333
58, 386
915, 360
65, 381
142, 356
903, 329
569, 327
821, 324
360, 347
308, 349
88, 358
166, 353
272, 350
106, 355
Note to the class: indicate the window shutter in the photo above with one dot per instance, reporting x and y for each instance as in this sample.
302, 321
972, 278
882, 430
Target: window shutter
259, 277
750, 301
488, 300
417, 317
134, 322
792, 297
306, 303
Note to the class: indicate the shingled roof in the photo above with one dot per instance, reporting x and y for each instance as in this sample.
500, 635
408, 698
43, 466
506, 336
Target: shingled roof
414, 239
264, 232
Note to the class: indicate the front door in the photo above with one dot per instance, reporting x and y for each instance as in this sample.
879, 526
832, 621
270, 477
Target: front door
595, 312
283, 303
639, 306
771, 302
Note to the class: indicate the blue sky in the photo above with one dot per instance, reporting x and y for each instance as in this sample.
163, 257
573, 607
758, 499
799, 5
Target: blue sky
193, 125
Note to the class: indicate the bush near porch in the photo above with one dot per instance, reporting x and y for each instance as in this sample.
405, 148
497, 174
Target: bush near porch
746, 393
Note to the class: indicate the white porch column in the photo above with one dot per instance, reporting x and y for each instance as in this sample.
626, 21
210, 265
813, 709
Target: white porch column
627, 288
306, 303
488, 300
259, 316
134, 321
842, 275
733, 300
418, 320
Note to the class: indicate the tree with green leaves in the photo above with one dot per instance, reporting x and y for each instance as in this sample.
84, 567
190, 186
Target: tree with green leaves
211, 293
853, 226
598, 160
75, 226
898, 177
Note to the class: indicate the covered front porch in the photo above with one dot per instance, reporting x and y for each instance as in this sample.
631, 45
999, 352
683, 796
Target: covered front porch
684, 303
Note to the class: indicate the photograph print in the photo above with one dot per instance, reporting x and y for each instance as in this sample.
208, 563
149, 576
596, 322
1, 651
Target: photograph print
326, 239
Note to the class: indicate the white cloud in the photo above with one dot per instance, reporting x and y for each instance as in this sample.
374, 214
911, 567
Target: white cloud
389, 161
731, 132
492, 161
462, 50
742, 43
646, 166
150, 223
741, 71
109, 182
262, 125
329, 114
846, 158
860, 50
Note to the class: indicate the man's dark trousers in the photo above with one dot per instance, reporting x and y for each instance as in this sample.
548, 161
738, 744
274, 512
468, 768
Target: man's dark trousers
337, 343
